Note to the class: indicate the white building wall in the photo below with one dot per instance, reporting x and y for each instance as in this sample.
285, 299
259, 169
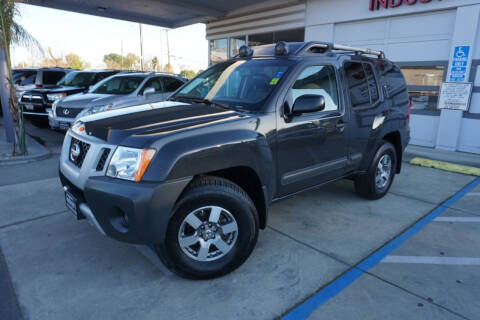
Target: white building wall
419, 33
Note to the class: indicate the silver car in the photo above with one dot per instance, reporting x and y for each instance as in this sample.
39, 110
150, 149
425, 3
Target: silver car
118, 91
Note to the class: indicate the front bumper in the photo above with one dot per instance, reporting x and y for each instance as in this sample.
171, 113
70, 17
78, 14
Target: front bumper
59, 122
128, 211
133, 212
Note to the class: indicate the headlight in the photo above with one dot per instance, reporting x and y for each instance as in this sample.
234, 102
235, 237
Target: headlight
129, 163
78, 127
54, 107
94, 109
56, 96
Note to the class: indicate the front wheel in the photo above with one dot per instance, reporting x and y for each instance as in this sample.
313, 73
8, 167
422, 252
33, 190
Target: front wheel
213, 230
376, 182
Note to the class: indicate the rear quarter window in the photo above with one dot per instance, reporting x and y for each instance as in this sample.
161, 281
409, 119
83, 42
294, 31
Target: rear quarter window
171, 84
52, 77
362, 84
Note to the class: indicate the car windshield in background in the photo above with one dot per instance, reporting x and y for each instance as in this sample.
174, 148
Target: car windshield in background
118, 85
77, 79
244, 84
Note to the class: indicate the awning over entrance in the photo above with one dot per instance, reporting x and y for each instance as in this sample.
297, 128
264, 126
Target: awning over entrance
165, 13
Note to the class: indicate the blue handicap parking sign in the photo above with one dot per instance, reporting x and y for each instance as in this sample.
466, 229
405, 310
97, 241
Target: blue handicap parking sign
458, 69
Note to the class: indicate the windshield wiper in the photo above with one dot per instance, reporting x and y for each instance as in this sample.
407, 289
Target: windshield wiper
201, 100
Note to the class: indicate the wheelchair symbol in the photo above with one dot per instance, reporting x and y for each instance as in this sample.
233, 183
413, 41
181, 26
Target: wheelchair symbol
460, 53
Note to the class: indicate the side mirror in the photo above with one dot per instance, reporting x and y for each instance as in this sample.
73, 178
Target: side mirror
308, 103
148, 91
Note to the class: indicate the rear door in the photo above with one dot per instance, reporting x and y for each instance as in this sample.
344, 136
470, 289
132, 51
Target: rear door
312, 148
366, 100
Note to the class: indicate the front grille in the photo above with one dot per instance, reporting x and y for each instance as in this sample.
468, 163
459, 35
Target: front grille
67, 112
77, 155
103, 159
32, 99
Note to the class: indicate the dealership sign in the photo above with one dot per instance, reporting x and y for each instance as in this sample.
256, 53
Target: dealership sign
378, 4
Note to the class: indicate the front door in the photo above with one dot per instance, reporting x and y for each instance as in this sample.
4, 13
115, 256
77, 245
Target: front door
312, 148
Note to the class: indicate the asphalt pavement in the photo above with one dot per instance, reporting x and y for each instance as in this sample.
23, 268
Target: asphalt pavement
312, 253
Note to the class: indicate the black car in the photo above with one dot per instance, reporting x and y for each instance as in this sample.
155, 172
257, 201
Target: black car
37, 103
194, 176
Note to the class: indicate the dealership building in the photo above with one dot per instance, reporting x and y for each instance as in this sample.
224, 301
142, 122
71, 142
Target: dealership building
435, 42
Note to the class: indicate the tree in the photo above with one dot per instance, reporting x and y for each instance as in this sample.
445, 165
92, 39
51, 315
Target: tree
189, 74
75, 62
154, 63
53, 61
168, 68
116, 61
11, 33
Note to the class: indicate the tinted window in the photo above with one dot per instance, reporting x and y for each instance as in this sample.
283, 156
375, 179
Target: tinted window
171, 84
391, 77
155, 83
102, 75
24, 78
357, 84
318, 80
372, 83
118, 85
77, 79
52, 77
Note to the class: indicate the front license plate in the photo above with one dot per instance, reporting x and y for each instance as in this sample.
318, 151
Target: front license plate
28, 106
71, 203
64, 125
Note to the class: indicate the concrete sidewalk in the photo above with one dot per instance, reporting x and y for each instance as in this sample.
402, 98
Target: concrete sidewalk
36, 151
462, 158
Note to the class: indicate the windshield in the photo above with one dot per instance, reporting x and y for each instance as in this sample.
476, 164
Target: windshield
77, 79
118, 85
245, 83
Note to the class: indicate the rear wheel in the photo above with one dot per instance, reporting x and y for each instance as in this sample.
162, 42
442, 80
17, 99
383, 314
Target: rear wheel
213, 230
376, 182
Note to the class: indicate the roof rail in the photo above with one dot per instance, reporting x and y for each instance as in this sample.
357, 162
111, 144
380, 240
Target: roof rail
323, 47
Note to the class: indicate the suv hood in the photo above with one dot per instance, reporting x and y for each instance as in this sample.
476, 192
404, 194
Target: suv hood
83, 100
151, 120
58, 89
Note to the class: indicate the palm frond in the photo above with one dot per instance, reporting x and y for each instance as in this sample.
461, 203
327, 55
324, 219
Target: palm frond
11, 31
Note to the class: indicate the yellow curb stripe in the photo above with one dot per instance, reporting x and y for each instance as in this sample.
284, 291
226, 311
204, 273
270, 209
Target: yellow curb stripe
446, 166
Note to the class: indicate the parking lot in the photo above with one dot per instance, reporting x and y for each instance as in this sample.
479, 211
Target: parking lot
311, 260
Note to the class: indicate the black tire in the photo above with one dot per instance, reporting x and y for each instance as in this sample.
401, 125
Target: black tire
211, 191
365, 184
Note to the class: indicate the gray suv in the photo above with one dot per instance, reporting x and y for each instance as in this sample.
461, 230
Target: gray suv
118, 91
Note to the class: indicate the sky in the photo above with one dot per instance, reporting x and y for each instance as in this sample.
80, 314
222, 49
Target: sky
92, 37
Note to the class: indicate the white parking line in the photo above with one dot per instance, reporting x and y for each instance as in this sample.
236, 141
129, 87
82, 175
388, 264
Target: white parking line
457, 219
433, 260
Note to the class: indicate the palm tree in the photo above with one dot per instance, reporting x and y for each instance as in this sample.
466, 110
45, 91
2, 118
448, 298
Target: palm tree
12, 33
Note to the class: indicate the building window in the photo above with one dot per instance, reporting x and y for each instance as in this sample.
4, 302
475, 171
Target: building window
235, 44
424, 85
294, 35
223, 49
218, 50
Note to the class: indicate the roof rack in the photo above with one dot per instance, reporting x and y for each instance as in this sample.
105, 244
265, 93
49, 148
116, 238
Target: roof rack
323, 47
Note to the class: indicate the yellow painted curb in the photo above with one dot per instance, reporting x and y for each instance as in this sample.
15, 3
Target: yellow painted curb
446, 166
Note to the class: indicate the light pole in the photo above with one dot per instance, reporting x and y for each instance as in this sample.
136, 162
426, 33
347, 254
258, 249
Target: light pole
141, 46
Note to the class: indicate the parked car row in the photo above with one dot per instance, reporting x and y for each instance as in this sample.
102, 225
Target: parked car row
56, 96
